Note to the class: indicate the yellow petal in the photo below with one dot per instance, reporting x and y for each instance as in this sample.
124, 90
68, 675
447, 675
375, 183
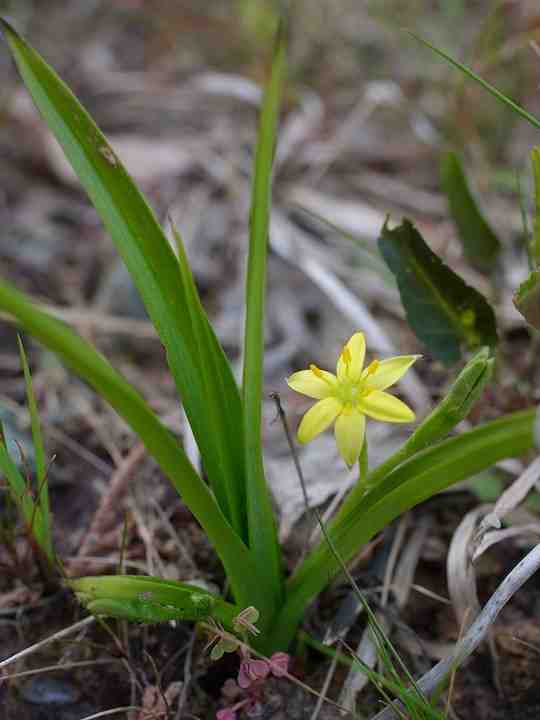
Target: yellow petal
351, 360
350, 429
383, 406
315, 385
318, 418
390, 371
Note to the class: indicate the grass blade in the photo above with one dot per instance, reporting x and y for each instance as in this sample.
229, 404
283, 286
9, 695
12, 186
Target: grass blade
153, 266
28, 506
262, 530
473, 76
39, 453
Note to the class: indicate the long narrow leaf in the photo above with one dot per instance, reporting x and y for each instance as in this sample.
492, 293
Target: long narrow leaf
231, 494
473, 76
153, 266
28, 506
262, 530
417, 479
92, 367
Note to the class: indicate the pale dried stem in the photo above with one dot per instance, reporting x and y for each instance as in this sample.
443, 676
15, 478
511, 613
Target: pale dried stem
42, 643
478, 630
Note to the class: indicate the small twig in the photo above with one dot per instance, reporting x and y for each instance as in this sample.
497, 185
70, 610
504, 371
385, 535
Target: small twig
275, 396
158, 684
87, 321
58, 667
110, 502
187, 677
146, 534
112, 711
183, 551
328, 679
42, 643
281, 414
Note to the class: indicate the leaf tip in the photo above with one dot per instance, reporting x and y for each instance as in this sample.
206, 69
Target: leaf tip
8, 30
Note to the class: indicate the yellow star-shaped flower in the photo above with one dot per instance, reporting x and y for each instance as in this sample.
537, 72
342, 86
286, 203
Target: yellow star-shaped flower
350, 395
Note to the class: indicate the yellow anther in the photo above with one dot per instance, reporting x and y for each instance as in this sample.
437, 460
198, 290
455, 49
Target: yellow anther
320, 374
346, 356
316, 371
372, 368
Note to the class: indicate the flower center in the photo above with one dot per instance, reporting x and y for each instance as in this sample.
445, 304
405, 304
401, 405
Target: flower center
349, 392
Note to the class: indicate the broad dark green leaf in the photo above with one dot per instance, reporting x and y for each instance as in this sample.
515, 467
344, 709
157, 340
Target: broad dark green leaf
479, 242
441, 308
211, 400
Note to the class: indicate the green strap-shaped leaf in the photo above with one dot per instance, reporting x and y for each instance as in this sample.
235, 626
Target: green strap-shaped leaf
479, 242
93, 367
441, 308
149, 599
262, 531
215, 374
211, 400
417, 479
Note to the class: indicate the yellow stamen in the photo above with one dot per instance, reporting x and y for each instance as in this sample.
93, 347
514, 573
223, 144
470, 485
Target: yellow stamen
372, 368
319, 373
346, 356
316, 371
